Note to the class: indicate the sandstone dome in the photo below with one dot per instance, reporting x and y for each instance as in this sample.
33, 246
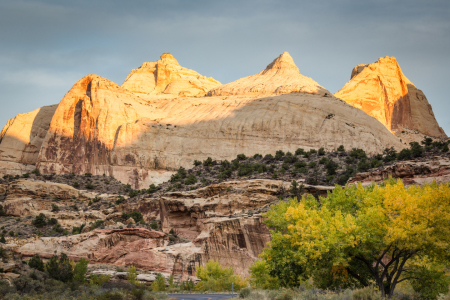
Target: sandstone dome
280, 77
384, 92
166, 76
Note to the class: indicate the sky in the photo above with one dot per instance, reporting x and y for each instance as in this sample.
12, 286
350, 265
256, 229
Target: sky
46, 46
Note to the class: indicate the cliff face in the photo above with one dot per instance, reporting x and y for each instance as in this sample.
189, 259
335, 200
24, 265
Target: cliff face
21, 140
383, 91
166, 76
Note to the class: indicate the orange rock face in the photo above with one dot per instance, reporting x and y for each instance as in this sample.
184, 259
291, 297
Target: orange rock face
166, 76
381, 90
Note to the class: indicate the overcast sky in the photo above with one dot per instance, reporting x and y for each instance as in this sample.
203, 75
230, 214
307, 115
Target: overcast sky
46, 46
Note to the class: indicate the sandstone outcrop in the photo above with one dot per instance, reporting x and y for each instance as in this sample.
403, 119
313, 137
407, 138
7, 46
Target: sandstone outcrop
383, 91
21, 140
102, 128
280, 77
411, 172
166, 76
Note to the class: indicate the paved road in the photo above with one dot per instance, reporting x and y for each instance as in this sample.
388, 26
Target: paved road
201, 296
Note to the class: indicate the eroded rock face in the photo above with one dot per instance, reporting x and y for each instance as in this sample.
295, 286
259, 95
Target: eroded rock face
383, 91
280, 77
166, 76
21, 140
411, 172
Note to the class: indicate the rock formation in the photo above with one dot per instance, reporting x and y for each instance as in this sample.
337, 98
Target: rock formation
102, 128
166, 76
21, 140
383, 91
280, 77
411, 172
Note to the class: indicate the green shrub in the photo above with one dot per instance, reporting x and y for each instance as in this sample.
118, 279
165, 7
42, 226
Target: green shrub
154, 225
59, 268
375, 163
55, 208
52, 221
299, 151
445, 148
26, 175
404, 154
119, 200
89, 186
152, 188
79, 271
358, 153
132, 275
367, 293
191, 179
389, 154
289, 159
241, 157
323, 160
159, 285
214, 277
110, 296
245, 292
197, 163
96, 224
341, 148
87, 174
77, 230
279, 155
331, 167
321, 151
11, 233
363, 165
416, 149
3, 254
430, 283
26, 285
2, 212
268, 157
75, 184
36, 172
312, 164
257, 156
40, 221
137, 216
208, 162
2, 239
98, 280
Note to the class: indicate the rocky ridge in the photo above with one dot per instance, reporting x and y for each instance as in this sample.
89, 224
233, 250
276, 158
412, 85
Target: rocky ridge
102, 128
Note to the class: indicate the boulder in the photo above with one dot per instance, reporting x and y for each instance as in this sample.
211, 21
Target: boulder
383, 91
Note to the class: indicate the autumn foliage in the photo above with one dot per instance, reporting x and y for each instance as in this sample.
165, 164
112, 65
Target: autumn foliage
359, 235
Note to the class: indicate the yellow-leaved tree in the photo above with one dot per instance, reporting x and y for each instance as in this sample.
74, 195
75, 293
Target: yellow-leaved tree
358, 235
216, 278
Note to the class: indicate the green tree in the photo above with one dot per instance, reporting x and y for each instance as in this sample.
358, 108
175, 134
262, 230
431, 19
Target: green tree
132, 275
159, 285
368, 234
36, 263
260, 276
60, 268
40, 220
214, 277
79, 271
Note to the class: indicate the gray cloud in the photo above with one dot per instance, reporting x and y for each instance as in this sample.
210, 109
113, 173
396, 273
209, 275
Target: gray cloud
47, 45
